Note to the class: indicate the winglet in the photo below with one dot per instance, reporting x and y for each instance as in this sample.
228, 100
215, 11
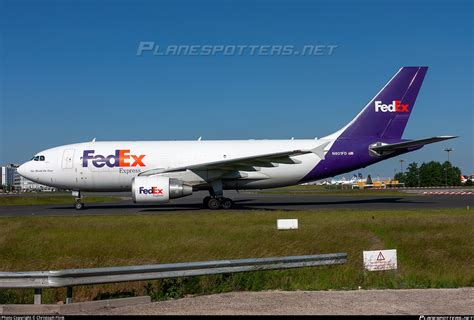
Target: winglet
319, 150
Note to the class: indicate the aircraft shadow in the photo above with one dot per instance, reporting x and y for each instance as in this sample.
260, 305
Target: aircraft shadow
251, 204
248, 204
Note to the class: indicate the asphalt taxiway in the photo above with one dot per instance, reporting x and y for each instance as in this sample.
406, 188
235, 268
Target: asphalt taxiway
250, 201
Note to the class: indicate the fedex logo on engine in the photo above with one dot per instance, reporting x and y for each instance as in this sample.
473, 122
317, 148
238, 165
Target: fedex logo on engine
395, 106
121, 158
152, 190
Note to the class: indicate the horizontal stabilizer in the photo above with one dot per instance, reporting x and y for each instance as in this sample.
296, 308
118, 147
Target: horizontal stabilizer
401, 146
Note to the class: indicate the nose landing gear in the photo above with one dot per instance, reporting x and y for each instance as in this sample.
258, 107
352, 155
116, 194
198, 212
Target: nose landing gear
79, 205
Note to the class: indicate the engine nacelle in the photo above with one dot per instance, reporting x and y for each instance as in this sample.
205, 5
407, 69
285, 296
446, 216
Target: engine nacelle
158, 189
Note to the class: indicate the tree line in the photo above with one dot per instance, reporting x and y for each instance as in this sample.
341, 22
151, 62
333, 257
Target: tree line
430, 174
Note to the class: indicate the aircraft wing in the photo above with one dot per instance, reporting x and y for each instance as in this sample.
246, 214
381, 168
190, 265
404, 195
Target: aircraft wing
244, 163
386, 148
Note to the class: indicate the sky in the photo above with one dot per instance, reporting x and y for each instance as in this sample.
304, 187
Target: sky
69, 72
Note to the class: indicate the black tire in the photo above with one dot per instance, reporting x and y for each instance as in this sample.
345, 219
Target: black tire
79, 205
205, 201
226, 203
214, 204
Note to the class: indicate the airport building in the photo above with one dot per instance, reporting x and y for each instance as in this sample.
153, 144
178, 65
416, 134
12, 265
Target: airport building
7, 175
23, 184
10, 180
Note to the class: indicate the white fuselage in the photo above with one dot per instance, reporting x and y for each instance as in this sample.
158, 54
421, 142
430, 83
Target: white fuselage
64, 167
169, 169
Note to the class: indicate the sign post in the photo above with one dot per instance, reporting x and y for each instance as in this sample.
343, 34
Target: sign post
379, 260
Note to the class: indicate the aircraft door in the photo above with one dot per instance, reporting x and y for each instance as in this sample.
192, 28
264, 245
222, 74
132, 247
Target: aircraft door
68, 159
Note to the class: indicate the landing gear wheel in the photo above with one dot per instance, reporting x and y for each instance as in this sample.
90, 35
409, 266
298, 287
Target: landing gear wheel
79, 205
214, 204
226, 203
205, 201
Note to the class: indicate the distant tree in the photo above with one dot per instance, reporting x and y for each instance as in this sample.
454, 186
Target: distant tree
451, 175
431, 174
400, 177
369, 180
412, 175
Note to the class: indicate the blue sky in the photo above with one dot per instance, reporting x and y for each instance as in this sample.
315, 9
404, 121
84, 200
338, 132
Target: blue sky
69, 71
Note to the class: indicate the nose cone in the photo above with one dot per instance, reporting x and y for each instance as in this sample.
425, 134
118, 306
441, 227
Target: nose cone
22, 170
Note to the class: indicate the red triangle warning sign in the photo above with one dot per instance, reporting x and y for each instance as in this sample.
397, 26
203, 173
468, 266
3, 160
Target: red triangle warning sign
380, 257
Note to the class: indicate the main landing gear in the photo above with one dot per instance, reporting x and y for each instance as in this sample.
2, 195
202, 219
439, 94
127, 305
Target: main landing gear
215, 203
217, 199
79, 205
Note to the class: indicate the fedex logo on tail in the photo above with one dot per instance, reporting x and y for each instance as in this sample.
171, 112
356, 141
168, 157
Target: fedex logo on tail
152, 190
395, 106
121, 158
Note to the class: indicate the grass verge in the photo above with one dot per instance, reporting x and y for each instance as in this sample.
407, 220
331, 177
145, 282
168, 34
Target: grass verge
434, 249
38, 200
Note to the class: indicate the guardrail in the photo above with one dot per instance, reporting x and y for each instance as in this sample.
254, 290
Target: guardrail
77, 277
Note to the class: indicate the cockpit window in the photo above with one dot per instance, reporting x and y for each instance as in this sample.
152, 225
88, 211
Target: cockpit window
38, 158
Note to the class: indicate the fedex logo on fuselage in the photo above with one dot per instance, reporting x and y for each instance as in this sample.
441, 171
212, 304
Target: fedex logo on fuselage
152, 190
395, 106
121, 158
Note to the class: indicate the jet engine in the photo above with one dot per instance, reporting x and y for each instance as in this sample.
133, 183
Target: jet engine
158, 189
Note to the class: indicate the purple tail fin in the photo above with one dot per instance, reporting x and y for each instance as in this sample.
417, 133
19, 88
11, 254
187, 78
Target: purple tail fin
386, 115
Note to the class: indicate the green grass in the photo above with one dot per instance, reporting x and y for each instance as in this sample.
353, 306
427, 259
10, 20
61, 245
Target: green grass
434, 249
22, 200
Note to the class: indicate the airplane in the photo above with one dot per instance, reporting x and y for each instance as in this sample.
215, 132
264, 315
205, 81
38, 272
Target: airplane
337, 182
157, 171
465, 179
343, 181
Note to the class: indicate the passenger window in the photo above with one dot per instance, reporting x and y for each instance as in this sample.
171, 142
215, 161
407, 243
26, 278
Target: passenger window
36, 158
41, 158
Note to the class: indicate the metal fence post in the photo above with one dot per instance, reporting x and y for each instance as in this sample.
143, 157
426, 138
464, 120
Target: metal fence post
37, 299
68, 295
